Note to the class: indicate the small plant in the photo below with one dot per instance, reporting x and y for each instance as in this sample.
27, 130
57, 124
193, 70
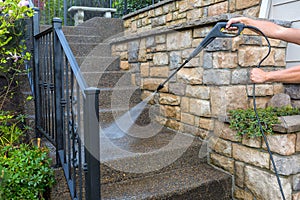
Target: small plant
12, 128
13, 50
245, 121
25, 172
131, 6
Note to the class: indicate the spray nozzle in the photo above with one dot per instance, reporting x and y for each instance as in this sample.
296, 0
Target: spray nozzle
219, 30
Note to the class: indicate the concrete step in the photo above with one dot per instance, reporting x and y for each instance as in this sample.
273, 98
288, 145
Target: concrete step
109, 115
101, 50
84, 39
201, 182
161, 165
83, 31
107, 79
144, 151
107, 27
98, 63
81, 50
110, 98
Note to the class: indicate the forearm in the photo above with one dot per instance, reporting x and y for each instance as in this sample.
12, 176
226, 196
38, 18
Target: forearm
271, 29
291, 75
268, 28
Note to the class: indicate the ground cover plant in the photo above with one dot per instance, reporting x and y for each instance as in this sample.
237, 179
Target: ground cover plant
246, 123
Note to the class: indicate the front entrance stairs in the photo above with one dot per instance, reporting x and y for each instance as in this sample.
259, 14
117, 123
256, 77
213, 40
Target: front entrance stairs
166, 165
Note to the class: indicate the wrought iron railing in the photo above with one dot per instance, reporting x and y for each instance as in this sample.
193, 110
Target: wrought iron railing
59, 8
66, 110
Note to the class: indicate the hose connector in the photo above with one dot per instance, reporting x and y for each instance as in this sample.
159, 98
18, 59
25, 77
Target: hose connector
160, 86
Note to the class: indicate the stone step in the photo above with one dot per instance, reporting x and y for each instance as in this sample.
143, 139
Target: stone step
118, 97
201, 182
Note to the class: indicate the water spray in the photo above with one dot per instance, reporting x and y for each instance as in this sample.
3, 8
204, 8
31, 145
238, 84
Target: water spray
220, 31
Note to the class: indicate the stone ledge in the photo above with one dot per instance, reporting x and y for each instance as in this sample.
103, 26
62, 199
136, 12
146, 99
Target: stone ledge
176, 27
289, 124
159, 4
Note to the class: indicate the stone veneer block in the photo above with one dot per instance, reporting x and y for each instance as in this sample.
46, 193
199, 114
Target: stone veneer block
264, 184
287, 165
251, 156
289, 124
283, 144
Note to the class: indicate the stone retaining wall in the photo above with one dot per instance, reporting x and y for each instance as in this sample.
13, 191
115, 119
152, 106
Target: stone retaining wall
248, 160
197, 99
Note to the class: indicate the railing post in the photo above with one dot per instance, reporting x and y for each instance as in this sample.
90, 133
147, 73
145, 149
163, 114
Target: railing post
92, 143
36, 64
58, 88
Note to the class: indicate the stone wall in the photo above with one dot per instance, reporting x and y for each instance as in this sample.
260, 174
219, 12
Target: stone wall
249, 162
197, 99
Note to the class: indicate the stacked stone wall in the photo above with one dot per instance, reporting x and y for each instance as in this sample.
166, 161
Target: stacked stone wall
198, 98
248, 160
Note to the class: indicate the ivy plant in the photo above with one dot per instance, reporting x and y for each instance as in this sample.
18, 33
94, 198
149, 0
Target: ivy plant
246, 123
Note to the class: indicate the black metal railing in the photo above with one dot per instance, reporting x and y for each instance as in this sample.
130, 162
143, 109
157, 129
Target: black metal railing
59, 8
66, 110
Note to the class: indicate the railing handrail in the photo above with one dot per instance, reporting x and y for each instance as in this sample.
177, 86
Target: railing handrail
65, 107
44, 32
71, 58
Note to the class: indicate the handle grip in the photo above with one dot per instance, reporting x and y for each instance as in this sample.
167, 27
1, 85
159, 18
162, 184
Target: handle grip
220, 31
217, 31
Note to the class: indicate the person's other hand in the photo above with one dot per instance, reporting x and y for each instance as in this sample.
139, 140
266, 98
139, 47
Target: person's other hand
258, 75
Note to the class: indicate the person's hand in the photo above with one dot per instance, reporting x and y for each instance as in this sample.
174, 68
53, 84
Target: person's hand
258, 75
233, 21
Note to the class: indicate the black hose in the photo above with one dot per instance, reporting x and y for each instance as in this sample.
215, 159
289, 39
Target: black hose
256, 114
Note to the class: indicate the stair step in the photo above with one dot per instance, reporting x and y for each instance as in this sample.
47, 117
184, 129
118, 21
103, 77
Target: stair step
109, 115
98, 64
102, 49
109, 27
77, 30
107, 79
201, 182
84, 39
119, 96
135, 156
79, 49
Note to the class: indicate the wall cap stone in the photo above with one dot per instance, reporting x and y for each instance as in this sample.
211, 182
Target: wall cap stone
175, 27
159, 4
288, 124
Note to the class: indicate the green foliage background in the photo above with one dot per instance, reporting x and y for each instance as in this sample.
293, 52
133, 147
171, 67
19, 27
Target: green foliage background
25, 171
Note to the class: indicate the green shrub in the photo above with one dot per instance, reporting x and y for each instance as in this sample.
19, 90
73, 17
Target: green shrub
246, 123
12, 128
26, 172
12, 46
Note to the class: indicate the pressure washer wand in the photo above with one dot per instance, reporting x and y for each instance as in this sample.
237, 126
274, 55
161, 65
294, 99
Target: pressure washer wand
217, 31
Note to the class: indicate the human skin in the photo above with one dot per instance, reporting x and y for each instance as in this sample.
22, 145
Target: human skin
272, 30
